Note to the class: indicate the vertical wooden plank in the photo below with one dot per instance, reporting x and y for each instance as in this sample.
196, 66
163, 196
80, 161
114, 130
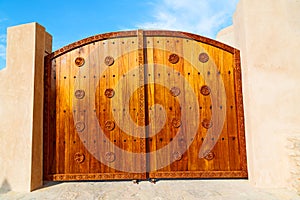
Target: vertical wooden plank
177, 45
223, 139
150, 90
178, 82
188, 72
60, 157
66, 107
141, 95
159, 98
93, 130
102, 109
240, 111
107, 107
122, 69
78, 112
113, 80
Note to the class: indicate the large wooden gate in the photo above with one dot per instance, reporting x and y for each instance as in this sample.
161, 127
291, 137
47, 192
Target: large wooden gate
144, 104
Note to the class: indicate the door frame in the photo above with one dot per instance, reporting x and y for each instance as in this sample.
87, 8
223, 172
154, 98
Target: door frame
141, 34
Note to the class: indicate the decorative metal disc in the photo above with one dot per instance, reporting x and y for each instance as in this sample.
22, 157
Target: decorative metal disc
80, 126
207, 123
79, 94
203, 57
109, 60
209, 156
79, 157
173, 58
205, 90
177, 156
109, 93
176, 123
109, 125
79, 61
110, 157
175, 91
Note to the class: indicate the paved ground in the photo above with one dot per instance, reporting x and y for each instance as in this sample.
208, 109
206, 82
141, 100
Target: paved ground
164, 189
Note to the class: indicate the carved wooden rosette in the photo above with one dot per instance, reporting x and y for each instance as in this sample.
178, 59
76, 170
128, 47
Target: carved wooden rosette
79, 157
79, 94
177, 156
176, 122
109, 60
175, 91
109, 125
203, 57
206, 123
80, 126
110, 157
109, 93
79, 61
209, 156
205, 90
173, 58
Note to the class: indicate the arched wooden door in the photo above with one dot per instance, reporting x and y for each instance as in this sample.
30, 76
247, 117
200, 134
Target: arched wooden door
144, 104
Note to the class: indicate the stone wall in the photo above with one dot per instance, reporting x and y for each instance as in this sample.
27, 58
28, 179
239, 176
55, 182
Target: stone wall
21, 110
268, 35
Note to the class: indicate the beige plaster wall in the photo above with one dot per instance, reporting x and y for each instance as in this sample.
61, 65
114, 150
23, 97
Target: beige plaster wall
268, 35
21, 108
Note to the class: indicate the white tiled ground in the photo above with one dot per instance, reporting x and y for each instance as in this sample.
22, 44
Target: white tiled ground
163, 189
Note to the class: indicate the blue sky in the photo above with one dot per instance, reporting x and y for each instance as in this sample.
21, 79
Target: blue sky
68, 21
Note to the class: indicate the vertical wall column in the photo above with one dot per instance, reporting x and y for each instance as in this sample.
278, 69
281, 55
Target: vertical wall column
21, 110
268, 35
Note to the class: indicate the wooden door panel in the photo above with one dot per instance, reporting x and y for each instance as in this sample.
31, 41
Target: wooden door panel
83, 97
224, 160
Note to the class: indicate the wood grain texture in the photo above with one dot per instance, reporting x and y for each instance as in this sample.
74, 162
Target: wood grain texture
148, 57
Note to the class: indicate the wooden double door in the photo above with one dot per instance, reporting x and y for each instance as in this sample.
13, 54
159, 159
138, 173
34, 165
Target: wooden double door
144, 104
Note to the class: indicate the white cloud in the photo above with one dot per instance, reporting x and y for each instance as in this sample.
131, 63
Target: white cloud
3, 38
204, 17
3, 46
2, 51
